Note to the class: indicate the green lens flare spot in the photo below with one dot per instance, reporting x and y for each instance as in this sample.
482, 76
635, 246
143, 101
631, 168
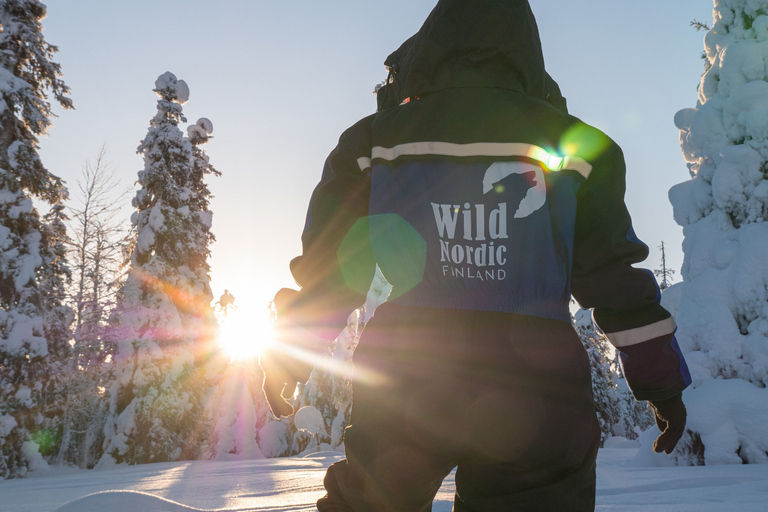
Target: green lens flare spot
399, 250
47, 440
356, 258
584, 141
389, 241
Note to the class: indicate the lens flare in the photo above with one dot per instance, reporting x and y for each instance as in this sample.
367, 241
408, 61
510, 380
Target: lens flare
244, 334
584, 141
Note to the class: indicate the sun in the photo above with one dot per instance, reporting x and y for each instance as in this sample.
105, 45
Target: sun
244, 333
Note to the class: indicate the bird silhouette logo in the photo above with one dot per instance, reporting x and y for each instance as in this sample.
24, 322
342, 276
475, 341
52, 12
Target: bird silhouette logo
523, 179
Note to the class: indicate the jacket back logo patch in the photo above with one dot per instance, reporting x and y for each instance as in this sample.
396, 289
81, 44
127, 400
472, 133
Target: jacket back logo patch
474, 237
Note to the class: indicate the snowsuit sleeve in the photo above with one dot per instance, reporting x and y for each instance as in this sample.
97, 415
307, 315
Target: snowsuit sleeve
336, 266
625, 300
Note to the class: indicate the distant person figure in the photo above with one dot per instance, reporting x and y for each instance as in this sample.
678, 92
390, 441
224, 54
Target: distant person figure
486, 205
226, 301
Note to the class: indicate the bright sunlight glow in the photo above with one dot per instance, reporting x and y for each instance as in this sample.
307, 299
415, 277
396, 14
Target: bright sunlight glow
244, 333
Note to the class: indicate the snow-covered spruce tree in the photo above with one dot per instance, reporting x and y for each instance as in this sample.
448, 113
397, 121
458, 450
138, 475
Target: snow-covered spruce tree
33, 322
164, 323
238, 410
329, 389
603, 377
722, 303
618, 413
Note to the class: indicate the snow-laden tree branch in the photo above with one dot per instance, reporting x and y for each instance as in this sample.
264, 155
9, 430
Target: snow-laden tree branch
722, 304
34, 323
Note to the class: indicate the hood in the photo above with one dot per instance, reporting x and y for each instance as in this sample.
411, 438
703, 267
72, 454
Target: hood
471, 43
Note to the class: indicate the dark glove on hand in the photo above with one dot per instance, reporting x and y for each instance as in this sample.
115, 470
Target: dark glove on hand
288, 361
670, 418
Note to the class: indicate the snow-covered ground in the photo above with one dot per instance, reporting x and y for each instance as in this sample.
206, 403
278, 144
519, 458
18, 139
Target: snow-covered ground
627, 482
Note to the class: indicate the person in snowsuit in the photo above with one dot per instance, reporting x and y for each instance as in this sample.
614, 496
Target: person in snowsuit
486, 205
226, 301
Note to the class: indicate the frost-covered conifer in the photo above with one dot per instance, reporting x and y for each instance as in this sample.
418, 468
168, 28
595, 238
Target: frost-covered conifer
618, 413
329, 389
722, 304
603, 377
164, 322
33, 322
238, 410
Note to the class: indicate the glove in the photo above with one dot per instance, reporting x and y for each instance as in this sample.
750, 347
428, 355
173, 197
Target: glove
290, 359
670, 418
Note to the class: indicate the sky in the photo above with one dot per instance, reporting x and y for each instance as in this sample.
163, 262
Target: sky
281, 80
626, 482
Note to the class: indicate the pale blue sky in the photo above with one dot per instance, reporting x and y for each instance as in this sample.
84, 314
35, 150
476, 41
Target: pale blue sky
281, 80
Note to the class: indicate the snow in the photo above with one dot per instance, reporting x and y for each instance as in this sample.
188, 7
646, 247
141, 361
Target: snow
725, 424
30, 451
145, 240
182, 91
29, 261
294, 484
235, 418
205, 124
13, 150
22, 333
178, 89
206, 219
24, 396
721, 308
273, 438
309, 418
195, 132
23, 206
7, 423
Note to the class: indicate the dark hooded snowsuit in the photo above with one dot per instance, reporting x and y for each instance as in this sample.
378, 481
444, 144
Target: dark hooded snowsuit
486, 205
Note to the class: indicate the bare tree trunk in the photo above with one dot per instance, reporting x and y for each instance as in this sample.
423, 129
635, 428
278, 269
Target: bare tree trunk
95, 249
